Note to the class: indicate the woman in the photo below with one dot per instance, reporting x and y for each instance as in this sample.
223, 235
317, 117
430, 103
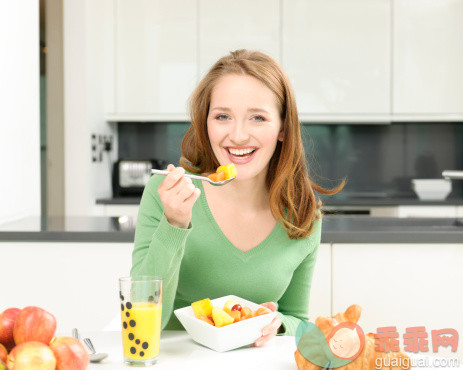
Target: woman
256, 237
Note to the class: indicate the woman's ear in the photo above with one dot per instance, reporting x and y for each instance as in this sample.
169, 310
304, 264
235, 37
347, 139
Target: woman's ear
281, 135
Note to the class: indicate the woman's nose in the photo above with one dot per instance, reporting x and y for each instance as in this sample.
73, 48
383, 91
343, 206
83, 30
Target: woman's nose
239, 133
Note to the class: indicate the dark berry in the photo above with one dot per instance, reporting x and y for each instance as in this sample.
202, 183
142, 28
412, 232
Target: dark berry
131, 336
128, 305
132, 323
145, 345
133, 350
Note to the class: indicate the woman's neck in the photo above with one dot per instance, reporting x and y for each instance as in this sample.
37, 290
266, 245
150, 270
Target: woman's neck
250, 193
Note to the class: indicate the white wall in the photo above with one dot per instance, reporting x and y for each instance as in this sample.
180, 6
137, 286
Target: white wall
87, 50
19, 107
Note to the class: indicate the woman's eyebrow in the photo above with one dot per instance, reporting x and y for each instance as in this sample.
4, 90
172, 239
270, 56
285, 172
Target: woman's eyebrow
255, 110
221, 108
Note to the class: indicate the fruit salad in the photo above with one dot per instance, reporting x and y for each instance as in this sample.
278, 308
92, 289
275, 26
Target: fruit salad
224, 173
232, 311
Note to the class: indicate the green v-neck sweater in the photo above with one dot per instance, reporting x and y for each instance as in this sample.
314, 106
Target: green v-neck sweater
200, 262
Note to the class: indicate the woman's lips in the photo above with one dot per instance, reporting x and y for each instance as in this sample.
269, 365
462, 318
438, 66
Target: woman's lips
241, 160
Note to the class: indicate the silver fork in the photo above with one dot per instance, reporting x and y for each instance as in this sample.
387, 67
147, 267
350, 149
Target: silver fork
196, 177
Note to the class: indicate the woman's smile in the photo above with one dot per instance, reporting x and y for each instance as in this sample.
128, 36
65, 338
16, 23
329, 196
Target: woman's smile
241, 155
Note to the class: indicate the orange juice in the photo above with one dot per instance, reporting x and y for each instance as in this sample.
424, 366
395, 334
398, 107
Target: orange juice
141, 330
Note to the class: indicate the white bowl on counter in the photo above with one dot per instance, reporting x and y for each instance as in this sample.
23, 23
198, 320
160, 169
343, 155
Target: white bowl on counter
227, 337
432, 189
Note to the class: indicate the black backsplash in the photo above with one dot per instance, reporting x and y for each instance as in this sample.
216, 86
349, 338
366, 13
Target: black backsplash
377, 160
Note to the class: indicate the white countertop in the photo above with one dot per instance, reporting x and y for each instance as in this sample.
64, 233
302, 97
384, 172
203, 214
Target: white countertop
178, 351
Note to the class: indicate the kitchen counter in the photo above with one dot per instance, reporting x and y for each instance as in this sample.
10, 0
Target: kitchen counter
331, 201
336, 229
178, 351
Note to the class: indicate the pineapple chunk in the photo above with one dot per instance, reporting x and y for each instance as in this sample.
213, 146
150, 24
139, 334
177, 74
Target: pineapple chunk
220, 317
229, 170
202, 307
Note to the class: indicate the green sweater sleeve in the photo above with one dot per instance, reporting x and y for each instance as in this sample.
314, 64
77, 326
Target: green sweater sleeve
159, 246
293, 307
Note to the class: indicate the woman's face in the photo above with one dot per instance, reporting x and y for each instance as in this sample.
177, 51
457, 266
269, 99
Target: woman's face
243, 124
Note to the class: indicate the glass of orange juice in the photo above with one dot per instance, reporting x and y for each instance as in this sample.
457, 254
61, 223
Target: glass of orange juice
141, 308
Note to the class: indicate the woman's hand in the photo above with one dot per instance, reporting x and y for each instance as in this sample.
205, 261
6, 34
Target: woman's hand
271, 329
178, 194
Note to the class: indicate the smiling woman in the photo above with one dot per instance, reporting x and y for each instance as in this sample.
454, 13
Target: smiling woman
256, 237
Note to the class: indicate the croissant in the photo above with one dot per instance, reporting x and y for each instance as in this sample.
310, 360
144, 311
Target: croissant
368, 357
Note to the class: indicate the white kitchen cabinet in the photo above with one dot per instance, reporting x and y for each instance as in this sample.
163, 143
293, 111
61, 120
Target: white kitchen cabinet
427, 211
459, 211
337, 56
320, 292
402, 285
225, 26
76, 282
116, 210
427, 59
155, 58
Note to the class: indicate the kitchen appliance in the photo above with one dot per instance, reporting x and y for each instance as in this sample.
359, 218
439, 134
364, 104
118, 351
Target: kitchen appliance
131, 175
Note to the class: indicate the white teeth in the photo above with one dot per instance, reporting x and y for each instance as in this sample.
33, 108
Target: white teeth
240, 151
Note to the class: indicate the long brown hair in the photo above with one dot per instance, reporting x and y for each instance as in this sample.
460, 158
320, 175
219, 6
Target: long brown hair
291, 191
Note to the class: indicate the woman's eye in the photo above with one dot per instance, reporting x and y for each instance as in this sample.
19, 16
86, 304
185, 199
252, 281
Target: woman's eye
221, 117
259, 118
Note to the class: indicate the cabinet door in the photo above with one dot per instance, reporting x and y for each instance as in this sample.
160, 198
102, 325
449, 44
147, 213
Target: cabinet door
240, 24
76, 282
337, 55
402, 285
320, 292
428, 56
156, 55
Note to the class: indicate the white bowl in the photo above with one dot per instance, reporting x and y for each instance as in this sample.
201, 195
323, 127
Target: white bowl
226, 337
432, 189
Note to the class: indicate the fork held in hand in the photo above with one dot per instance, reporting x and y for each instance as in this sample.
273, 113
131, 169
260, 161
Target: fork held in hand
196, 177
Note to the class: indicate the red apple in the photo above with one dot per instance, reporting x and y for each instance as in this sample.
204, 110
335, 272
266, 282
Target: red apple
34, 324
7, 320
31, 356
3, 353
70, 354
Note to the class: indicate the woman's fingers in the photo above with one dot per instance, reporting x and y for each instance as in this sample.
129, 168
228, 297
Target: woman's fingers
185, 191
272, 306
269, 332
271, 329
172, 178
177, 194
